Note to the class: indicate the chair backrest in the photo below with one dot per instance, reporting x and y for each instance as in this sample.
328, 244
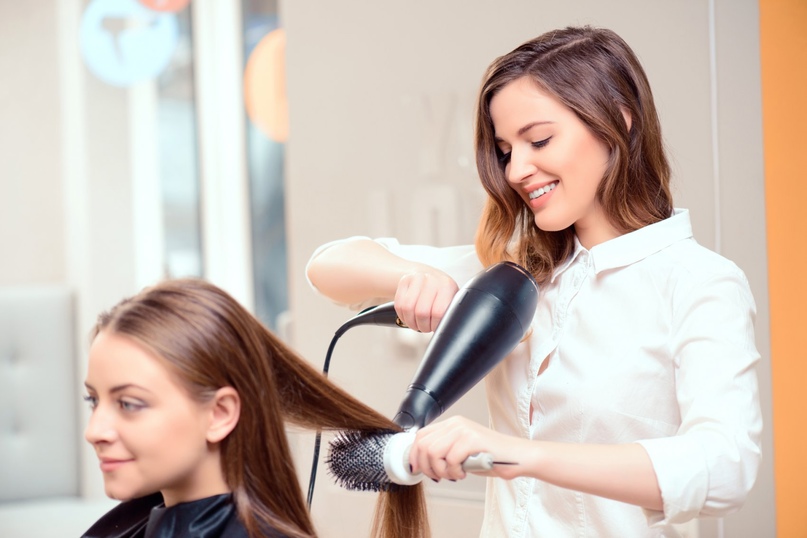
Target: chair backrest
39, 394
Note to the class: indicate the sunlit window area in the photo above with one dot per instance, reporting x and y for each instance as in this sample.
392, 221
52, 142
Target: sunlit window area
267, 132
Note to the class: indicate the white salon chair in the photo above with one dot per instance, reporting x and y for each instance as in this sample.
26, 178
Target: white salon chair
40, 434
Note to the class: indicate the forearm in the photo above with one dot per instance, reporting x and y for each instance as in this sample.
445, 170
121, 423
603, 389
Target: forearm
621, 472
358, 270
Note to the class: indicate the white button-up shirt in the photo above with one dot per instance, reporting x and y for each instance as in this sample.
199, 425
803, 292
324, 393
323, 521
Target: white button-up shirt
647, 338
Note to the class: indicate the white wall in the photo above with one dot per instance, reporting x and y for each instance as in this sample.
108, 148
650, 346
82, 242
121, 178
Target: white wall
31, 240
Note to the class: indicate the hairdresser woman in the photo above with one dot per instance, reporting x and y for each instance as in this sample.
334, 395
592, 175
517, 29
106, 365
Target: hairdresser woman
633, 405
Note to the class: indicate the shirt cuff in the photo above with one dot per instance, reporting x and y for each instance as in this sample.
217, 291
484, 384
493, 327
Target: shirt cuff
680, 467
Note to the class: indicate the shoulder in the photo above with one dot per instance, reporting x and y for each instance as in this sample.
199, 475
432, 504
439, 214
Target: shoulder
692, 259
688, 259
694, 274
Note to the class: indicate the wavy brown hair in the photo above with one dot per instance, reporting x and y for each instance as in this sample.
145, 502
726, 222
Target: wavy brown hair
209, 341
596, 74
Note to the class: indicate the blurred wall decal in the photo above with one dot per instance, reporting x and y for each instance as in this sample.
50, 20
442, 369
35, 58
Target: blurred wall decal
122, 42
265, 86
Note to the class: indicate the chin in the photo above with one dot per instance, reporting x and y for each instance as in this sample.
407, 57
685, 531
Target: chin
115, 491
549, 225
117, 496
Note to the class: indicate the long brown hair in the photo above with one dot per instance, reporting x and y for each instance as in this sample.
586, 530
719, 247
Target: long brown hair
208, 340
596, 74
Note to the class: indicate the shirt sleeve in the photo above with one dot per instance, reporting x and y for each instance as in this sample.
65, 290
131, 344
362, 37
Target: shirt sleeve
459, 262
709, 467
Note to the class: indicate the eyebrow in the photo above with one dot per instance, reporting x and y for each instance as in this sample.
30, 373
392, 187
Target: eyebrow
525, 129
118, 388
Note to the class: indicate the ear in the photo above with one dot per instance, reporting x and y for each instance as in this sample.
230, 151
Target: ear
627, 116
225, 411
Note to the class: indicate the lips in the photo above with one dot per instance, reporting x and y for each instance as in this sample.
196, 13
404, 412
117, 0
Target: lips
540, 191
112, 464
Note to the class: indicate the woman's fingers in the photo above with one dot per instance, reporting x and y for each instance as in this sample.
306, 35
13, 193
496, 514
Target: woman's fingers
433, 460
440, 449
422, 299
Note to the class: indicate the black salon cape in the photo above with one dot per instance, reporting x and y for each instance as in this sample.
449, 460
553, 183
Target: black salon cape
148, 517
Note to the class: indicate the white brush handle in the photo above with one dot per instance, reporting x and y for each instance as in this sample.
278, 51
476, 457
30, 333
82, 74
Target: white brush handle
396, 460
481, 461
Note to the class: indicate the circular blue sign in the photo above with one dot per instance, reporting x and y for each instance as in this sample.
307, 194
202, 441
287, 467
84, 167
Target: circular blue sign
123, 42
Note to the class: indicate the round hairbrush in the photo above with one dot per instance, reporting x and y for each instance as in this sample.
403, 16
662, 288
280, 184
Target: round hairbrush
379, 461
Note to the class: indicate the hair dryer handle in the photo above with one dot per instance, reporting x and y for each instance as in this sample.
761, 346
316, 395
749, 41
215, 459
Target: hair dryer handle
488, 317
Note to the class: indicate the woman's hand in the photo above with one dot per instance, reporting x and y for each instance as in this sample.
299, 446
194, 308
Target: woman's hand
622, 472
422, 298
440, 449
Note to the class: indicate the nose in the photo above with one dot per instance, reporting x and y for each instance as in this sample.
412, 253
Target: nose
100, 427
520, 166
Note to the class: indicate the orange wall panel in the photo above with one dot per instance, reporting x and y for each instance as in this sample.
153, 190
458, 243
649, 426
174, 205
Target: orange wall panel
783, 45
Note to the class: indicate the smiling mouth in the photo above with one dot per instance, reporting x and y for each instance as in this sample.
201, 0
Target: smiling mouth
543, 190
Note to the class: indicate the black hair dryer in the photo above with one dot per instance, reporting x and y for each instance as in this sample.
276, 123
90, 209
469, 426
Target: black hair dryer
487, 318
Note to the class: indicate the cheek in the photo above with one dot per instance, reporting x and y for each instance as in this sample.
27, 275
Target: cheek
592, 163
168, 437
600, 155
170, 451
184, 430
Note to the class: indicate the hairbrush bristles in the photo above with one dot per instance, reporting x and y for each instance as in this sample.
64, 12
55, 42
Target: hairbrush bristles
356, 460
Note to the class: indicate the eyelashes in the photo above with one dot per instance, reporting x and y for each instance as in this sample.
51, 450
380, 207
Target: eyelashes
130, 406
541, 143
504, 158
124, 405
91, 400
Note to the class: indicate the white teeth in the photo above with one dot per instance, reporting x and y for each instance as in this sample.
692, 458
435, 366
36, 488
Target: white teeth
543, 190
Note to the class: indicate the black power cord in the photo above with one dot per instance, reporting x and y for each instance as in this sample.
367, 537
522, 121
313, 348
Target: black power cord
383, 315
318, 440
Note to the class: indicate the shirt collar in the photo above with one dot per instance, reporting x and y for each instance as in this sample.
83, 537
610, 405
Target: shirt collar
578, 248
634, 246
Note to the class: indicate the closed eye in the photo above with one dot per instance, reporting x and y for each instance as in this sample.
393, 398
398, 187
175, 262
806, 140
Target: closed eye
541, 143
504, 158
